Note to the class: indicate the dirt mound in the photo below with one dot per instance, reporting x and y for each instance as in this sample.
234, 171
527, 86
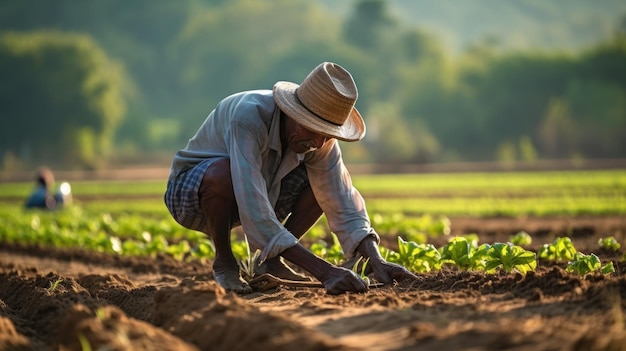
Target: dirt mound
109, 328
202, 313
53, 311
56, 312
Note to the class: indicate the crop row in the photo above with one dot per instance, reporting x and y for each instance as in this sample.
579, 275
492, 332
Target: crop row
136, 235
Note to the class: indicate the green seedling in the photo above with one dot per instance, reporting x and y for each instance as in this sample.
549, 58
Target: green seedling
418, 257
179, 250
318, 231
583, 264
521, 239
609, 244
333, 254
472, 238
508, 257
460, 252
247, 265
363, 268
561, 249
204, 249
415, 257
55, 285
156, 245
245, 259
133, 248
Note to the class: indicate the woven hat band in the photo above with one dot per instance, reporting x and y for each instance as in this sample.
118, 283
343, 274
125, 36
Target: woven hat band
329, 93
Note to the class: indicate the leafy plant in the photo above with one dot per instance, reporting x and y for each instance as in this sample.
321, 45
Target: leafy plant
179, 250
415, 257
333, 253
609, 244
561, 249
508, 257
318, 231
134, 248
204, 249
521, 239
460, 251
583, 264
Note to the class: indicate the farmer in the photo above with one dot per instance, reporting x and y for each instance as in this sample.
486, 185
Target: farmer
43, 196
269, 160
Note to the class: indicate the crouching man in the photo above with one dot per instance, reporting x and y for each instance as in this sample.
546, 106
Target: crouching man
269, 160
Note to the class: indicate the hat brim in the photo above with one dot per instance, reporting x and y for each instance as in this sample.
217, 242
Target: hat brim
353, 128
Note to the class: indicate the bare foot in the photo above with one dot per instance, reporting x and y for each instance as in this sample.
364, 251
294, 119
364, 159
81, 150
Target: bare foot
229, 278
278, 268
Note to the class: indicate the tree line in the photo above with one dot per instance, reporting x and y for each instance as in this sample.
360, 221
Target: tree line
86, 84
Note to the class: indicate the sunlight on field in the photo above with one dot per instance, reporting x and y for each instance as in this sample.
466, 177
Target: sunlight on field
496, 182
469, 194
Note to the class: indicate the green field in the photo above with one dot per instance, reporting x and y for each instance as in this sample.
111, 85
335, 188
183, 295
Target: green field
451, 194
130, 217
491, 194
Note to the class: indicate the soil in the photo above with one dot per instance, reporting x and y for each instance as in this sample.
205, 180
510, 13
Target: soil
54, 299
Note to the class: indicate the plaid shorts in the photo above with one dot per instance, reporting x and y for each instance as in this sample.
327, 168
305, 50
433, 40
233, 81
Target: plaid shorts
183, 202
290, 189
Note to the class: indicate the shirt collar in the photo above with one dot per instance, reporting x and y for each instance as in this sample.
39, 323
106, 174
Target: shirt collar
274, 134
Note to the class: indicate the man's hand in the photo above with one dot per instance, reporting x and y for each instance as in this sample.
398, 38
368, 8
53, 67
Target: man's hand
385, 272
338, 280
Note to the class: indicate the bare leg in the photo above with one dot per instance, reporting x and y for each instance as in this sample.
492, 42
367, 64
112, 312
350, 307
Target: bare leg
306, 212
217, 201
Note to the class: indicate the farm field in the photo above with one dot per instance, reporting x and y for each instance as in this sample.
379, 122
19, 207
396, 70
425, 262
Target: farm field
115, 272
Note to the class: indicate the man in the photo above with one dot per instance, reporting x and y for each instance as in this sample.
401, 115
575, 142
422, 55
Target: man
270, 161
42, 197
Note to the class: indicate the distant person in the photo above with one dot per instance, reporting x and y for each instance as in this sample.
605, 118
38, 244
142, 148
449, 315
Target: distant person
43, 195
269, 160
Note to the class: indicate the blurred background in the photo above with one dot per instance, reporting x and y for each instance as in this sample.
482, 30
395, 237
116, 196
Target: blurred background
102, 84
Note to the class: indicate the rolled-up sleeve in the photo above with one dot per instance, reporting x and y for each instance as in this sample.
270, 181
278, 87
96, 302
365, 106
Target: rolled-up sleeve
342, 204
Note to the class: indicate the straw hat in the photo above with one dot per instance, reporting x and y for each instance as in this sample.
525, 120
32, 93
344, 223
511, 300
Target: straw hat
323, 103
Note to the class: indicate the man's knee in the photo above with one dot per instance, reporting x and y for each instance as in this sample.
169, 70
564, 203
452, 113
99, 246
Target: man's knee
217, 181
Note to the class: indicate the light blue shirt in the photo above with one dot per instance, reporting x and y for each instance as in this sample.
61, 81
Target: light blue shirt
246, 128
